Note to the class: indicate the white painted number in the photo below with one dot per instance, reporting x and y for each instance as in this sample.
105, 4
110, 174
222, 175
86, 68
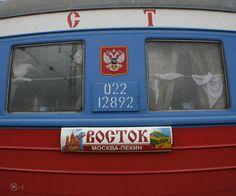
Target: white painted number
107, 89
115, 97
121, 101
130, 100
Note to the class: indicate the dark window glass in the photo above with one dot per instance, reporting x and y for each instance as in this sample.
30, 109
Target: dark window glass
186, 76
46, 78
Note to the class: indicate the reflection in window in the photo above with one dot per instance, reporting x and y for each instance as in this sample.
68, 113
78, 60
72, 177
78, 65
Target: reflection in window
46, 78
186, 76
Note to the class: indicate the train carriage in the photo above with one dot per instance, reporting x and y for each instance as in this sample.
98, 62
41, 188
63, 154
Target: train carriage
130, 97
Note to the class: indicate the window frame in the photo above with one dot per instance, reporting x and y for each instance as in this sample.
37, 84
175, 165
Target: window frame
224, 71
82, 42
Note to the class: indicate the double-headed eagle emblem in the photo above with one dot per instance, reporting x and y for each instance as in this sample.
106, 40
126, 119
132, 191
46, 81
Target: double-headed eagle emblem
114, 59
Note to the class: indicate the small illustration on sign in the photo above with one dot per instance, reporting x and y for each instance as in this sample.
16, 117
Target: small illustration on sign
73, 141
114, 60
160, 140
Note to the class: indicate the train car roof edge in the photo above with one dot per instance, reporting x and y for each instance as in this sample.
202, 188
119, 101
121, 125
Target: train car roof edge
14, 8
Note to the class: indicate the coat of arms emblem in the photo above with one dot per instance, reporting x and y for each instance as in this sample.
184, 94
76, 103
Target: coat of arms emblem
114, 60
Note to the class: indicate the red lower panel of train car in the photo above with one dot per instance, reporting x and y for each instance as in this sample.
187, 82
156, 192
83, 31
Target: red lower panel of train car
202, 161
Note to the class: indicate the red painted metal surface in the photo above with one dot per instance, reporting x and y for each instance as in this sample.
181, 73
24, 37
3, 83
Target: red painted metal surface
203, 162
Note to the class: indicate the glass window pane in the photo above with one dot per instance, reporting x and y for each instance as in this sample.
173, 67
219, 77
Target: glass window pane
46, 78
186, 76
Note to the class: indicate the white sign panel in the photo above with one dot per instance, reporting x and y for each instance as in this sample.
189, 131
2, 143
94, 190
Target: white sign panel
116, 139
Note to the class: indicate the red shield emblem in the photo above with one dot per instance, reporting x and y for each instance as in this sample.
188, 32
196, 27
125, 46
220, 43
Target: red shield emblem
114, 60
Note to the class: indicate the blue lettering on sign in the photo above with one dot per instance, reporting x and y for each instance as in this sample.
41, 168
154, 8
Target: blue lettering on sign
115, 96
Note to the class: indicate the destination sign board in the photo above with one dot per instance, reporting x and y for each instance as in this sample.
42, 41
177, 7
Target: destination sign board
116, 139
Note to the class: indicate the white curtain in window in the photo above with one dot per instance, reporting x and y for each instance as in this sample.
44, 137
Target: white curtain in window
156, 79
19, 71
78, 56
200, 66
212, 85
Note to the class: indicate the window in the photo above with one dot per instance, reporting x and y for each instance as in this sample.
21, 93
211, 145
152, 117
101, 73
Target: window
46, 78
186, 75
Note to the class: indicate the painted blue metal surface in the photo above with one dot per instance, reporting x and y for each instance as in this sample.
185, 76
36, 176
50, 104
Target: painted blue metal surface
135, 40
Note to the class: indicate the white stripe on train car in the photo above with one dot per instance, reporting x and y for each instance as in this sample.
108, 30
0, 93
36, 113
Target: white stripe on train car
118, 18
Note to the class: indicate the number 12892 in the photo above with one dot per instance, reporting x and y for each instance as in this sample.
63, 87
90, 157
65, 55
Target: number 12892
115, 96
